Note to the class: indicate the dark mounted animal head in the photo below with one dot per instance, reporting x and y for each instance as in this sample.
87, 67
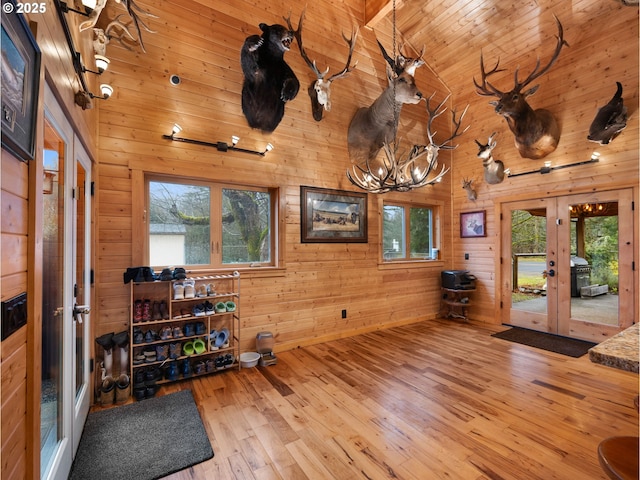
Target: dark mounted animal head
610, 120
320, 90
536, 131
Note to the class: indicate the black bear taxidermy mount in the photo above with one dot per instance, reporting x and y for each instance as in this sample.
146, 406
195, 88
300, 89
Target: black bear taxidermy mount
610, 120
268, 81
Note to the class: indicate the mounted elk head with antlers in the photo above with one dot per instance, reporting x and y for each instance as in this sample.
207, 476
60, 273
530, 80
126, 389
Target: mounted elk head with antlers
536, 131
371, 127
320, 90
494, 170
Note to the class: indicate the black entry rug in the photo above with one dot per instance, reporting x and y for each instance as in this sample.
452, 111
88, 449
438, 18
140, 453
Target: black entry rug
546, 341
143, 441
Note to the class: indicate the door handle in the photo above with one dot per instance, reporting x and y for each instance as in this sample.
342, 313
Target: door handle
79, 310
550, 273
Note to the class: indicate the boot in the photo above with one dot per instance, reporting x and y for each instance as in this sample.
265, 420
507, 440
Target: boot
105, 341
137, 311
146, 310
164, 310
156, 311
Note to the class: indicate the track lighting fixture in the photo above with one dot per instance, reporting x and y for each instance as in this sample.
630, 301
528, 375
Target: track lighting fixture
87, 8
220, 146
547, 168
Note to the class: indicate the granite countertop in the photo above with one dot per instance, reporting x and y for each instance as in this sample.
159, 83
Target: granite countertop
620, 351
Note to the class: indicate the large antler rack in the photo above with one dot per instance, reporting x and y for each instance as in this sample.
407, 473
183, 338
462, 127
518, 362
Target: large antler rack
486, 89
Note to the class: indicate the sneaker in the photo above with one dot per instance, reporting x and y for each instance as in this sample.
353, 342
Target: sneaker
178, 291
150, 336
198, 310
208, 308
189, 330
162, 352
166, 333
201, 328
175, 350
166, 275
138, 336
177, 332
201, 290
189, 289
179, 273
211, 289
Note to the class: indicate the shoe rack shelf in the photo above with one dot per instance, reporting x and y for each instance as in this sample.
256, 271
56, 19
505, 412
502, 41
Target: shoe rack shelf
184, 328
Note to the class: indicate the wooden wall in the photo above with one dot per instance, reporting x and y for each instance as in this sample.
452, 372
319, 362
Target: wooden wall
303, 303
21, 246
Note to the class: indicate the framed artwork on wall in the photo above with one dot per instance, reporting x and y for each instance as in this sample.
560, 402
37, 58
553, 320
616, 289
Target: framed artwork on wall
332, 216
20, 83
473, 224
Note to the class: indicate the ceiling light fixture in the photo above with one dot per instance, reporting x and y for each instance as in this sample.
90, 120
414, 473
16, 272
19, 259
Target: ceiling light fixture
220, 146
547, 168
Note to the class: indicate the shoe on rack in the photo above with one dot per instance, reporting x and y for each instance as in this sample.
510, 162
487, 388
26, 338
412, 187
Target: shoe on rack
186, 368
146, 310
201, 328
198, 310
187, 348
179, 273
156, 315
150, 336
199, 346
189, 289
208, 308
201, 290
166, 333
178, 291
177, 332
175, 350
137, 311
138, 336
189, 330
171, 372
164, 310
166, 275
162, 352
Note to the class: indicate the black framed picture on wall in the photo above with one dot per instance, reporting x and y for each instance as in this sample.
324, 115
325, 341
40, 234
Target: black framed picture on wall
20, 83
473, 224
332, 216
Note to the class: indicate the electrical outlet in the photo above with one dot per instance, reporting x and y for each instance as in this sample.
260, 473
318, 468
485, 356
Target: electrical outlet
466, 256
14, 314
344, 314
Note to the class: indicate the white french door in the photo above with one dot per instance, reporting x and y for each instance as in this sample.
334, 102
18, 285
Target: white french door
567, 264
66, 199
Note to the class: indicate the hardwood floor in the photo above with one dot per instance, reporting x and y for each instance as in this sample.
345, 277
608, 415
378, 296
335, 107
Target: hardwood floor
437, 399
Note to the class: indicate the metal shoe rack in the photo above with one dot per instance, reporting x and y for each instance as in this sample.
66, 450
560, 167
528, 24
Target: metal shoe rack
161, 324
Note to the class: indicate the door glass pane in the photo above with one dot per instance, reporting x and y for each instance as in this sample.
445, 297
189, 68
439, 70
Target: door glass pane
594, 262
528, 250
52, 294
80, 290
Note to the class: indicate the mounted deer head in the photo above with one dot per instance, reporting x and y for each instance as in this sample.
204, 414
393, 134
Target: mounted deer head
494, 170
610, 120
373, 126
536, 131
471, 192
320, 90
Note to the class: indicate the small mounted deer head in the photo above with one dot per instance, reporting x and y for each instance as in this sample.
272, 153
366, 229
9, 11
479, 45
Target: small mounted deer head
536, 131
610, 120
494, 170
320, 90
471, 192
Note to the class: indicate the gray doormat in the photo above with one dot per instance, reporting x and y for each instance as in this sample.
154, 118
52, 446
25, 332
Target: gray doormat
546, 341
143, 440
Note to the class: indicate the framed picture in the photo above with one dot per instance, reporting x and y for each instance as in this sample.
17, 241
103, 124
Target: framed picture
472, 224
332, 216
20, 85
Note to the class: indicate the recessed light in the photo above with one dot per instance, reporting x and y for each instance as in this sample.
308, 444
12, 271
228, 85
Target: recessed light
174, 79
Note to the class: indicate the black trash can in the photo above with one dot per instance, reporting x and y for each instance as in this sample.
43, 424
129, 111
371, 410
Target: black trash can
580, 275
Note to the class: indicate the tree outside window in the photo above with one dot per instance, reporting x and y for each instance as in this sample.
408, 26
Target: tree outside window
407, 232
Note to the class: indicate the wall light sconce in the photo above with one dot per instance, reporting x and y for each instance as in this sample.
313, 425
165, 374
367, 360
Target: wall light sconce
102, 63
547, 168
83, 98
220, 146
